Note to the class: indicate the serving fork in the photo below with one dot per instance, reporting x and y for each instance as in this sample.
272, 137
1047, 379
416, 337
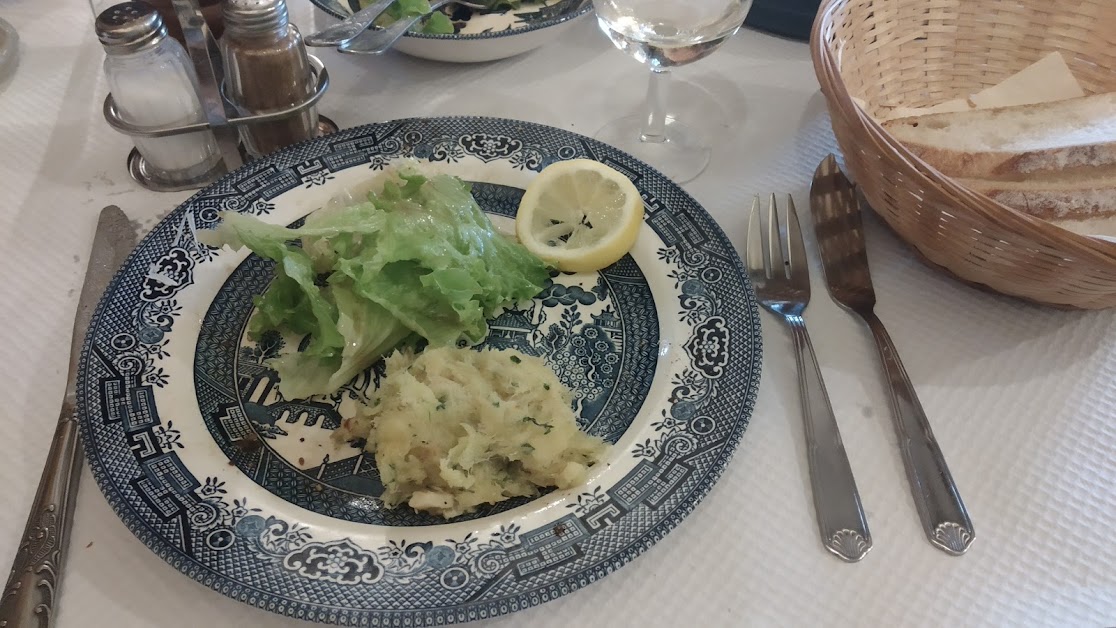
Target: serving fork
345, 34
782, 284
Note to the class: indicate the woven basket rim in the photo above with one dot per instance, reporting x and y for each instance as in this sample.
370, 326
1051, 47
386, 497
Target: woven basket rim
828, 73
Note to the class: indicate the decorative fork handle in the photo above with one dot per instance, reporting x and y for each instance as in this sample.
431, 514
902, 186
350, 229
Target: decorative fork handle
841, 520
944, 517
32, 588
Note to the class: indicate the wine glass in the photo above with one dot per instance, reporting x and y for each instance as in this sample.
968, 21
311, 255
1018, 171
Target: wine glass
664, 34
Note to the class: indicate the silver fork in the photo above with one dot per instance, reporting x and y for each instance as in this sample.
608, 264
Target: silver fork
783, 287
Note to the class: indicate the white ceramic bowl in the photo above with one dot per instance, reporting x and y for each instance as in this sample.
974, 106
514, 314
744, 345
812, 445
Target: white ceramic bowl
484, 37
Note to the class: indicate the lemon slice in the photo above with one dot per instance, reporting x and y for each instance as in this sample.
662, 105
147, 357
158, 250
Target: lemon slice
579, 215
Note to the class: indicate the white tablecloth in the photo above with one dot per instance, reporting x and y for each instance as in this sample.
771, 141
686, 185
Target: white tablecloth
1021, 398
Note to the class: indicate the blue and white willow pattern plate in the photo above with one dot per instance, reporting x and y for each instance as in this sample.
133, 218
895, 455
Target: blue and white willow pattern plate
247, 493
483, 36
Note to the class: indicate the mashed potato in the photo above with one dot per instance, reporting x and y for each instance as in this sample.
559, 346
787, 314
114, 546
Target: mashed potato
455, 428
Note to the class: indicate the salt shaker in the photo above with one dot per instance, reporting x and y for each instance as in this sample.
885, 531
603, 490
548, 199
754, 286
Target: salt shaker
267, 70
153, 84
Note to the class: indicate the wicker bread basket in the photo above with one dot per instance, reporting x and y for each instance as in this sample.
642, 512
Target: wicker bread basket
919, 52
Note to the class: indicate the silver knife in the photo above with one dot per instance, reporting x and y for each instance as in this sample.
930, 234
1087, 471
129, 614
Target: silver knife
840, 233
31, 593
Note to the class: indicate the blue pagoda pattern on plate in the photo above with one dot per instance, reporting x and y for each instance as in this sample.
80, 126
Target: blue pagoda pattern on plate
224, 542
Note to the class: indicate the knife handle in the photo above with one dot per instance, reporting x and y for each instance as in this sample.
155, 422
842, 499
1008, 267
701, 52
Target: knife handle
840, 515
944, 517
32, 587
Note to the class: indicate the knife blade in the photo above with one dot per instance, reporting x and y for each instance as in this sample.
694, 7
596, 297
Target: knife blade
31, 592
840, 233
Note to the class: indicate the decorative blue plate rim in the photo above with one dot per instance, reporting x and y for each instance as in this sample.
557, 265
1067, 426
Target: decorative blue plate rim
187, 522
330, 7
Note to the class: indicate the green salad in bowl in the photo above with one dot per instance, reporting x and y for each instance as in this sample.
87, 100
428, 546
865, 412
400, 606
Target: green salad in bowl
442, 22
461, 34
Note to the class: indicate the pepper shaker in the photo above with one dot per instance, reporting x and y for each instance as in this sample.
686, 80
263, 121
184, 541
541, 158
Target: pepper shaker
267, 70
153, 84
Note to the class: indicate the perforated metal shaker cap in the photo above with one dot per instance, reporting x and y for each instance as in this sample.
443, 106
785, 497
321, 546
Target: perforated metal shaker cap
254, 16
129, 26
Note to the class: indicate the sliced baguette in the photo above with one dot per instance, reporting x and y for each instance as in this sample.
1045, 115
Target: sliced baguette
1012, 143
1054, 199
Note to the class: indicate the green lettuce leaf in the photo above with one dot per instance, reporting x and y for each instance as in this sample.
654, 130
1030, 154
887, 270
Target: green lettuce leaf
445, 269
437, 23
368, 332
294, 300
419, 258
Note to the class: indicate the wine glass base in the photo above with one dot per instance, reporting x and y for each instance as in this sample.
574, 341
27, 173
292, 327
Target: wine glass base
681, 157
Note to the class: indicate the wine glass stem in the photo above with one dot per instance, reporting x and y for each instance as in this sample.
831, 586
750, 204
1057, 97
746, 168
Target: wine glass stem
654, 128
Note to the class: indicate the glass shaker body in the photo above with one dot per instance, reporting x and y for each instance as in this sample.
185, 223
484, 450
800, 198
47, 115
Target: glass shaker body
266, 72
156, 86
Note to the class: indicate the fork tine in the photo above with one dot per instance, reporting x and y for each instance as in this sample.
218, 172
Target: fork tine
777, 268
797, 266
753, 248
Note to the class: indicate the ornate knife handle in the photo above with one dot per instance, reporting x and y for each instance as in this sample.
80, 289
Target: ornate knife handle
32, 588
940, 507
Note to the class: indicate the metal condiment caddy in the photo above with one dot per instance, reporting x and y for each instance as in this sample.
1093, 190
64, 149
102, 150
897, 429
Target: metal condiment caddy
220, 115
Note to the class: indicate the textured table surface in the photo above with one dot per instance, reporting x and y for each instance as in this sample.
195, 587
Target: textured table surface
1022, 398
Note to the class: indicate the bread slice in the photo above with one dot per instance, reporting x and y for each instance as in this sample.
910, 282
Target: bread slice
1046, 80
1055, 198
1013, 143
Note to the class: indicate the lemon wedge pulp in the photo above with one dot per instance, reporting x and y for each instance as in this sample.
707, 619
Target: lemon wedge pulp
579, 215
